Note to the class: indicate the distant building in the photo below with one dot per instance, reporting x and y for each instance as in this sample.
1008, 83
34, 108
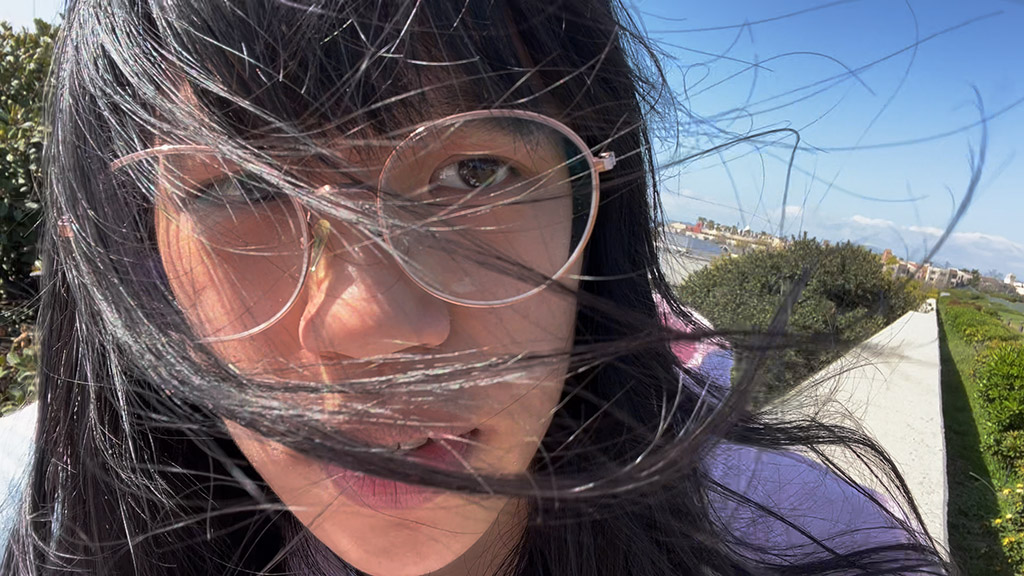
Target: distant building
682, 227
938, 277
904, 269
994, 285
928, 274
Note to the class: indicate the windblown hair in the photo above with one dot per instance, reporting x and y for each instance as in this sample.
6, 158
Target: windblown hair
134, 472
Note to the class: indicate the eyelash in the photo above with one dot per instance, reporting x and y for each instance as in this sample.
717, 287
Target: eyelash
210, 192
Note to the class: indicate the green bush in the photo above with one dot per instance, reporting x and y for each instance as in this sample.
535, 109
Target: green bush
24, 65
976, 324
18, 373
1011, 524
848, 298
999, 373
1008, 449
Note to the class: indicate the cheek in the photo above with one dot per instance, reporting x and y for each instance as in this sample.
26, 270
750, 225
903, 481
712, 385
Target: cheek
287, 472
220, 294
198, 276
517, 413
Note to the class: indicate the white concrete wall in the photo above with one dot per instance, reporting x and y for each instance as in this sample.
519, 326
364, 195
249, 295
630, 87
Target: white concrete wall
890, 385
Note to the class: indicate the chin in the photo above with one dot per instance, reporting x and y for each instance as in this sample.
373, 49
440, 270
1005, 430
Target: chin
408, 543
397, 567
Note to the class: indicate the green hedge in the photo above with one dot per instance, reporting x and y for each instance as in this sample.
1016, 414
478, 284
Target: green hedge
18, 373
24, 65
977, 324
999, 372
849, 298
1011, 523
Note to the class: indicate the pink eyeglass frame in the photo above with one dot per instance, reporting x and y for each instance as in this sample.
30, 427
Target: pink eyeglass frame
600, 163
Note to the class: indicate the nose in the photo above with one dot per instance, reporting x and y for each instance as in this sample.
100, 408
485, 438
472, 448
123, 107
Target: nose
361, 304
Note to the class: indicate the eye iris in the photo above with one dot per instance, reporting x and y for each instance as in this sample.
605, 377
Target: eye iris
480, 172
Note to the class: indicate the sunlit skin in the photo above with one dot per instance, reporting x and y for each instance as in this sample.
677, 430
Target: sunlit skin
358, 304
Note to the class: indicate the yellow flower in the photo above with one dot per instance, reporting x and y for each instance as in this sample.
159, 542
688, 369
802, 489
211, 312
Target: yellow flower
1009, 516
1006, 492
998, 521
1020, 485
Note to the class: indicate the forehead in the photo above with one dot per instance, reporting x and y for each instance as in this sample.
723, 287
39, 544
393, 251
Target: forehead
381, 125
254, 109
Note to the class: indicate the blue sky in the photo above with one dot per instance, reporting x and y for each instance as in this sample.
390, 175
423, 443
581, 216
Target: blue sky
856, 78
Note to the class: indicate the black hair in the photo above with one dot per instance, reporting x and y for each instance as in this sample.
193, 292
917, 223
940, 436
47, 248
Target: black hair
133, 470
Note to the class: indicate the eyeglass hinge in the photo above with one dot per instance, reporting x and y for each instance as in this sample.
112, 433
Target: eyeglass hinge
605, 161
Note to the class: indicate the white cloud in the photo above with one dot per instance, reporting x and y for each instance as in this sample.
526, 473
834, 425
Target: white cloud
989, 242
865, 221
929, 230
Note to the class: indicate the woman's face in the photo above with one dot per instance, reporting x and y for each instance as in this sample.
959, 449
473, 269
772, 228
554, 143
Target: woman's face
230, 257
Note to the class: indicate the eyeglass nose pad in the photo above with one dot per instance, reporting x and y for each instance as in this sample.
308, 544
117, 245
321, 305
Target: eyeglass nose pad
321, 233
354, 236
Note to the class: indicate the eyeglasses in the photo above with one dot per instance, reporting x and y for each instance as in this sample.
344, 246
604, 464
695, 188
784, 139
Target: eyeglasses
480, 209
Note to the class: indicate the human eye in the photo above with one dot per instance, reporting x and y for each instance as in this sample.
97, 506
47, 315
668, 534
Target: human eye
234, 190
469, 174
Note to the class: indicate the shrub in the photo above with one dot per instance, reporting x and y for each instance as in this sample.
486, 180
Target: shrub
976, 324
1010, 524
1008, 448
848, 298
999, 372
24, 65
18, 373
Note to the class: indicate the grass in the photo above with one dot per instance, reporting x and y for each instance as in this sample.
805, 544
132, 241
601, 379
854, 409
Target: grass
974, 542
973, 475
1012, 319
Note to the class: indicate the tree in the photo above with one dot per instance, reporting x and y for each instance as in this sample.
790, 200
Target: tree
848, 298
975, 280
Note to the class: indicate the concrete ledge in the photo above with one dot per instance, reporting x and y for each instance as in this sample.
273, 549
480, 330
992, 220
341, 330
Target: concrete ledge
890, 386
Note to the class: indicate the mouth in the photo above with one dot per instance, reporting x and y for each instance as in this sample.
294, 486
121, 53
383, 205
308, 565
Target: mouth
449, 451
407, 439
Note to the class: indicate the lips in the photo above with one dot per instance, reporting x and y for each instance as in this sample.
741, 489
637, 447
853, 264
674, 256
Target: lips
448, 451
